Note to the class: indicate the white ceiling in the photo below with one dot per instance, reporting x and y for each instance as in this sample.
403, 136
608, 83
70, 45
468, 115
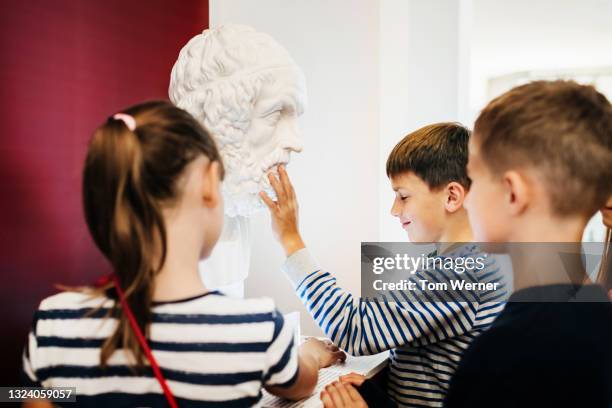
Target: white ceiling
519, 35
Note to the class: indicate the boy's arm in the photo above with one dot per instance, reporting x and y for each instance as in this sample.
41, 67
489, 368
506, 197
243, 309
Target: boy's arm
356, 326
369, 327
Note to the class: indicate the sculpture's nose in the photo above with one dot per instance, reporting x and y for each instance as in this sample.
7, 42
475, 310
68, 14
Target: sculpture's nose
291, 137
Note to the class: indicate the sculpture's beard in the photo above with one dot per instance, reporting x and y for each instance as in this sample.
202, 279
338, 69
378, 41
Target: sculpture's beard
246, 178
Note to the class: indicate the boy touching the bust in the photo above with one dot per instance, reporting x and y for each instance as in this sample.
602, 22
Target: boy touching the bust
427, 170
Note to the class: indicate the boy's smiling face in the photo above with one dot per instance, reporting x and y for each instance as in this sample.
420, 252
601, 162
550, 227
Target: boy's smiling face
420, 210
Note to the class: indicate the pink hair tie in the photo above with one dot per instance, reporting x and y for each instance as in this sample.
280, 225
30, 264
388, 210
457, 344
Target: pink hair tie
129, 121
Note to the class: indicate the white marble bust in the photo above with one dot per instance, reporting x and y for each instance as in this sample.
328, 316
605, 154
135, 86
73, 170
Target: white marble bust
248, 92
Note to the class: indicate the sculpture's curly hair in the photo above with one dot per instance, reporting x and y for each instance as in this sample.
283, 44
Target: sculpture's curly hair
217, 77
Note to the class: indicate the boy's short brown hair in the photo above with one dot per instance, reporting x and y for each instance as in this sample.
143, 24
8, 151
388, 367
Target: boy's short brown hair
436, 153
562, 129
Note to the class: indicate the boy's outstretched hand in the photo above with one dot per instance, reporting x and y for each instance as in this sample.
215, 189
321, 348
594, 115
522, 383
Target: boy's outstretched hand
284, 212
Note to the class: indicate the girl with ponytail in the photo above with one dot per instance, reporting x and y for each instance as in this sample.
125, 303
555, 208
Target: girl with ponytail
151, 334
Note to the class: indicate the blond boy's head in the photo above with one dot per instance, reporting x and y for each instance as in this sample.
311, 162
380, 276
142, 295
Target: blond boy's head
543, 148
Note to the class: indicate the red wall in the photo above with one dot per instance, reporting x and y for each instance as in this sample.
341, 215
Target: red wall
66, 65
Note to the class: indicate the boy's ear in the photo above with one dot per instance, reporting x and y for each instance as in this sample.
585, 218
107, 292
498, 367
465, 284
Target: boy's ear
211, 193
455, 195
517, 192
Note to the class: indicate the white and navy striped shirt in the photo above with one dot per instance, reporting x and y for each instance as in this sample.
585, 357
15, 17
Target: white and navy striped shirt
213, 350
426, 339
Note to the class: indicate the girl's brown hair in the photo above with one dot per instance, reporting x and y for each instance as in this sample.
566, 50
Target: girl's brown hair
127, 175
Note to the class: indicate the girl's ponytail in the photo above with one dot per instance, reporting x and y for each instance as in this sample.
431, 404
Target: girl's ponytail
128, 173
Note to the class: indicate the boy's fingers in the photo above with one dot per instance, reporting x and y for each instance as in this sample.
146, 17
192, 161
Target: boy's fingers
284, 177
267, 200
344, 395
333, 393
278, 189
353, 393
353, 378
326, 399
353, 381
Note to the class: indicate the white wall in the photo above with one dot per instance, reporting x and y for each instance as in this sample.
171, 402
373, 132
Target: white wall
523, 35
539, 36
336, 45
424, 52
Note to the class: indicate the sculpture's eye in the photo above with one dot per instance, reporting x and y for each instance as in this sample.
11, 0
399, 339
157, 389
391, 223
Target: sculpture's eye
273, 118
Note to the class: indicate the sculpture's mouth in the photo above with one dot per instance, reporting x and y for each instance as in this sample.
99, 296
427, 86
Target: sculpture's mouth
276, 159
274, 167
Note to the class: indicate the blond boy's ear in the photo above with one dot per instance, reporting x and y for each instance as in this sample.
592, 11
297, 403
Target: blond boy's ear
517, 191
455, 196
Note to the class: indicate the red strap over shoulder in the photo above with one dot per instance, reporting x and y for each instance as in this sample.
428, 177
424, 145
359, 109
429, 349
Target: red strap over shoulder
144, 344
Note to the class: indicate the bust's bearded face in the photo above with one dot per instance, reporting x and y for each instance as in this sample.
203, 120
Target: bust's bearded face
271, 137
247, 91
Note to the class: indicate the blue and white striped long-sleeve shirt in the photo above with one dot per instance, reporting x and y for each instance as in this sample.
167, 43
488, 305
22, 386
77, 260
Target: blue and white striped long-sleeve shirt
426, 339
